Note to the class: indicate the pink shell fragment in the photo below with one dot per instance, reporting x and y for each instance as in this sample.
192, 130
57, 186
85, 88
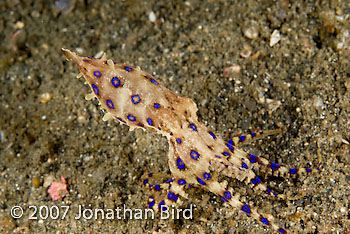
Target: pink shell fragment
58, 190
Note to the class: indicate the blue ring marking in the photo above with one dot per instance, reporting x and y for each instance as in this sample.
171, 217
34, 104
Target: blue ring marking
161, 204
226, 154
150, 175
194, 154
157, 187
97, 74
230, 142
145, 181
121, 120
224, 199
115, 81
274, 166
171, 195
293, 171
217, 156
131, 118
230, 146
264, 221
178, 140
256, 180
308, 170
85, 60
151, 204
241, 138
180, 164
253, 158
129, 69
95, 89
110, 104
135, 99
181, 182
253, 134
281, 230
206, 176
246, 209
244, 165
156, 105
150, 122
175, 198
227, 195
212, 134
154, 81
200, 181
169, 180
193, 127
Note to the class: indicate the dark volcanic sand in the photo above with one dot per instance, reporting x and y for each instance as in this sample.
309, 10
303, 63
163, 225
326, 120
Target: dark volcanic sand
189, 47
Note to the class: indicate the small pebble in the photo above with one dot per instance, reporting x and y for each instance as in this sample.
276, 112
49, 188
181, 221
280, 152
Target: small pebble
275, 38
36, 182
251, 32
45, 97
152, 17
246, 51
234, 68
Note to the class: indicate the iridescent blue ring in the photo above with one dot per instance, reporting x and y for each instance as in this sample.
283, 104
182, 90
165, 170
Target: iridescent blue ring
194, 154
150, 122
212, 134
180, 164
193, 127
162, 204
97, 74
154, 81
230, 146
227, 195
95, 89
151, 204
181, 182
110, 104
281, 230
178, 140
226, 154
206, 176
256, 180
241, 138
264, 221
200, 181
246, 209
131, 118
171, 195
135, 99
115, 81
128, 69
156, 105
253, 158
